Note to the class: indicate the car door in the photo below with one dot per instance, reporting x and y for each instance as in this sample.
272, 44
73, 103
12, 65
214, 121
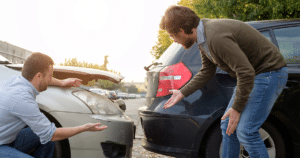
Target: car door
288, 41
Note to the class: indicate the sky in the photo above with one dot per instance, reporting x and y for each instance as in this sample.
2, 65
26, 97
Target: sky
125, 30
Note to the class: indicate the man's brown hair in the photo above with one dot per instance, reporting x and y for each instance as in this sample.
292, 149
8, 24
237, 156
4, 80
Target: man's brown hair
35, 63
179, 17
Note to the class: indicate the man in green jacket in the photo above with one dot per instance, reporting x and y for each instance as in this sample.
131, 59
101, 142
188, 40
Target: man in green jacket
246, 54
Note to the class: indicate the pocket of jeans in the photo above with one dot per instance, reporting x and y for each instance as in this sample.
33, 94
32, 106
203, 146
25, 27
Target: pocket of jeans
281, 83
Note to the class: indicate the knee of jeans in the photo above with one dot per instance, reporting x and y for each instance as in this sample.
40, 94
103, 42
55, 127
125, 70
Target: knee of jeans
224, 124
246, 136
50, 144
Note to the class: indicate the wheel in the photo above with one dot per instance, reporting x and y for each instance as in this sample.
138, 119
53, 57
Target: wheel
270, 135
58, 150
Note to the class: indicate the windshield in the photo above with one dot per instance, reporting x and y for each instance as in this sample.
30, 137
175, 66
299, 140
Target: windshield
172, 55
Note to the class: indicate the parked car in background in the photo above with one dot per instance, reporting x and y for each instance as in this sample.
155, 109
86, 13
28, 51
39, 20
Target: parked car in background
131, 96
137, 96
96, 90
105, 93
191, 128
122, 96
112, 95
68, 107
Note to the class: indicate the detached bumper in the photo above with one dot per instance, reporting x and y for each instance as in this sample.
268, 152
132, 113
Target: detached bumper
118, 136
173, 135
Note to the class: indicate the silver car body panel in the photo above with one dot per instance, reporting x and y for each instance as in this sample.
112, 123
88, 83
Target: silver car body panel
69, 111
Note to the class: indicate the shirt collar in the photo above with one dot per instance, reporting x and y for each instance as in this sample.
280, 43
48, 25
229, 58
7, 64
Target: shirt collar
35, 91
200, 33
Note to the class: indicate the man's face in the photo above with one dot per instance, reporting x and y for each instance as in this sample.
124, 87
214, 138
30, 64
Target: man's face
45, 80
186, 40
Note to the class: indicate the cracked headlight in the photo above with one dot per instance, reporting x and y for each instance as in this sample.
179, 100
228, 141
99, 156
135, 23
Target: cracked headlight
98, 104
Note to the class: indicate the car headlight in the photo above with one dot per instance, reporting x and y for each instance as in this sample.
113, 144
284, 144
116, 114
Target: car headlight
97, 103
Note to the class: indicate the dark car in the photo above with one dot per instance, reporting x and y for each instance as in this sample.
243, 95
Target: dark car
191, 128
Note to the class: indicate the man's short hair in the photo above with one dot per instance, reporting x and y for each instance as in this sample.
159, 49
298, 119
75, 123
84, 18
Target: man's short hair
177, 17
35, 63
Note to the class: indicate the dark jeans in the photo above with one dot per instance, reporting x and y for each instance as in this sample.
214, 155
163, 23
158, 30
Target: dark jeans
25, 142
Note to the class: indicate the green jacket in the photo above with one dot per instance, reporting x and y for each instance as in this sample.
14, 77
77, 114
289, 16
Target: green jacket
238, 49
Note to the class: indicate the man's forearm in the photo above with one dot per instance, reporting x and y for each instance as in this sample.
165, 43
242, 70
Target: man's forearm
64, 133
55, 82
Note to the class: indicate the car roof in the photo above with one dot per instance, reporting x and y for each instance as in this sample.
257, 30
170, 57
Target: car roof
272, 23
85, 74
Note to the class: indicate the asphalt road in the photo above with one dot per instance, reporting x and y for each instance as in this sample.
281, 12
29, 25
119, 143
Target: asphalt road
138, 151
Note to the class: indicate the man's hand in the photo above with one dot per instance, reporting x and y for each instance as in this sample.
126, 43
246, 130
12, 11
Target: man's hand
94, 127
234, 118
71, 82
176, 97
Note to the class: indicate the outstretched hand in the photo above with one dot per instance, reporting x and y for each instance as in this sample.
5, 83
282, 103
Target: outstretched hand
176, 97
94, 127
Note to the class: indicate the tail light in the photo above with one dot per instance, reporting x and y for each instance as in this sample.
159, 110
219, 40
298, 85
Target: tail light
172, 78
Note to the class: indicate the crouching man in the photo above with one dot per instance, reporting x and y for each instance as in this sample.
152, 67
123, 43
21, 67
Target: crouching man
19, 108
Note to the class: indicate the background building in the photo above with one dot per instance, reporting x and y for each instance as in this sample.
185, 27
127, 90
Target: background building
13, 53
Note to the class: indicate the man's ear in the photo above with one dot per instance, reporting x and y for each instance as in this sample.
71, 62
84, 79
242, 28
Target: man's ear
181, 30
39, 75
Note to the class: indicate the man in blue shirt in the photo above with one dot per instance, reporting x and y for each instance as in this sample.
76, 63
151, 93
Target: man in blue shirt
18, 108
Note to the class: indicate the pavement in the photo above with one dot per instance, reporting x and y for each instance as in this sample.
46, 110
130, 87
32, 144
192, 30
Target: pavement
138, 151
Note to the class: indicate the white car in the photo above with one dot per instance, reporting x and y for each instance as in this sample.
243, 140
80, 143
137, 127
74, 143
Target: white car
131, 96
68, 107
122, 96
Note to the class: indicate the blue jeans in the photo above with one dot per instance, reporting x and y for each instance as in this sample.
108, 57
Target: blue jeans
25, 142
267, 88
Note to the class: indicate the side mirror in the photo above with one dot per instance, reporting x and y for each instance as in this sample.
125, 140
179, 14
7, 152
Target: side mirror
121, 104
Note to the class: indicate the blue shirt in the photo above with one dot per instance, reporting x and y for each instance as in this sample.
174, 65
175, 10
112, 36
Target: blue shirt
201, 40
19, 108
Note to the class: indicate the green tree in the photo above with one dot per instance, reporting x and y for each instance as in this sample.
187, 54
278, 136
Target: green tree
105, 84
75, 62
132, 89
164, 41
244, 10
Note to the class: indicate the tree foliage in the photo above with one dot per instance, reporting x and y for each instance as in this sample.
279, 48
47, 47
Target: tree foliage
75, 62
132, 89
105, 84
164, 41
244, 10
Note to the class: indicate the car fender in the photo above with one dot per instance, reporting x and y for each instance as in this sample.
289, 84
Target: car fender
61, 99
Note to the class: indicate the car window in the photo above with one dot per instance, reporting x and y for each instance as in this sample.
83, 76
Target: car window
172, 55
267, 34
288, 40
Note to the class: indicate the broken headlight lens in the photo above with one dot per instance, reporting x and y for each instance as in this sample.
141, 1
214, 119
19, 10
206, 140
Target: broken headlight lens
98, 104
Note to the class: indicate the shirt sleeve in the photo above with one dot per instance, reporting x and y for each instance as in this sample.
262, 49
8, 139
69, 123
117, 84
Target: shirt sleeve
28, 111
207, 72
229, 51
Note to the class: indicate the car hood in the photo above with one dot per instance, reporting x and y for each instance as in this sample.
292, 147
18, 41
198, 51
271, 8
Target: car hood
85, 74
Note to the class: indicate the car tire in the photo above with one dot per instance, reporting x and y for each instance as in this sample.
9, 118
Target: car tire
273, 139
58, 150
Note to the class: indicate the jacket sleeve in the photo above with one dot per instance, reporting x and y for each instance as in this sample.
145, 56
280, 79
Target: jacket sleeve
229, 51
207, 71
